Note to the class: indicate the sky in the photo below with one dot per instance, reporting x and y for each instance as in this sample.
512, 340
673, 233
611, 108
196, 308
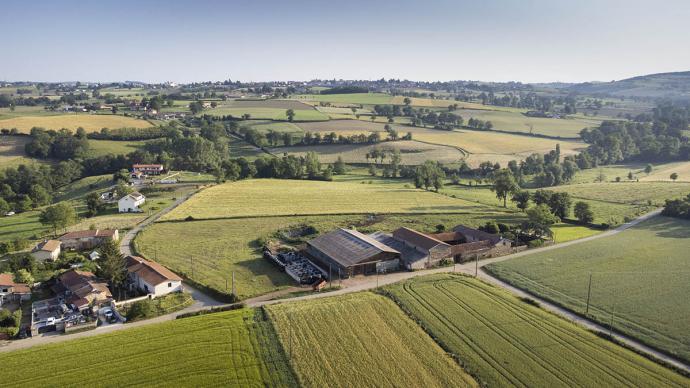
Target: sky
212, 40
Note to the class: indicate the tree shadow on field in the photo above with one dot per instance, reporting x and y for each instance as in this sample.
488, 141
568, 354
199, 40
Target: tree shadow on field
667, 227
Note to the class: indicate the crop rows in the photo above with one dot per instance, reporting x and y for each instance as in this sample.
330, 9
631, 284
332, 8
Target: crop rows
505, 342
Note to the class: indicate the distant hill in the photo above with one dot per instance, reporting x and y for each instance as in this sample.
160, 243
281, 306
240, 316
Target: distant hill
672, 85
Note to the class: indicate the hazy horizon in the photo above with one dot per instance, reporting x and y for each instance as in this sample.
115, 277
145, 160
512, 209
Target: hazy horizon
534, 41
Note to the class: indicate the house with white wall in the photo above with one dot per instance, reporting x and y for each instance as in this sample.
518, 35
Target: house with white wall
130, 203
151, 277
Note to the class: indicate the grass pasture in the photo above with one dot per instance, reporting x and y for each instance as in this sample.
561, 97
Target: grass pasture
627, 192
114, 147
267, 110
640, 274
225, 349
663, 172
361, 340
275, 197
503, 341
90, 122
411, 152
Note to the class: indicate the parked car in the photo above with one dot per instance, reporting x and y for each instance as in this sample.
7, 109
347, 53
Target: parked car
9, 214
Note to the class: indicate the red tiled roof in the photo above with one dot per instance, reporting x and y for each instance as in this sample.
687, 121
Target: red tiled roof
48, 246
6, 279
89, 233
152, 272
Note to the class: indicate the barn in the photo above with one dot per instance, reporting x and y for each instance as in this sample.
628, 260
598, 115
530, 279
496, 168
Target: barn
350, 253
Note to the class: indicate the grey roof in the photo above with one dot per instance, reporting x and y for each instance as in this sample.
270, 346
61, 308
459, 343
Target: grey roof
417, 239
407, 254
349, 247
477, 234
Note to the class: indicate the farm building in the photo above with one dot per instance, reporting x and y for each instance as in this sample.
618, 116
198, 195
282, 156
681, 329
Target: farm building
47, 250
151, 277
433, 251
467, 243
350, 252
87, 239
148, 169
11, 291
130, 203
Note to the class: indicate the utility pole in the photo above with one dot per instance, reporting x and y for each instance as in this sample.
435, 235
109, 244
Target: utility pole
377, 278
476, 265
234, 291
191, 264
339, 278
589, 293
330, 278
611, 324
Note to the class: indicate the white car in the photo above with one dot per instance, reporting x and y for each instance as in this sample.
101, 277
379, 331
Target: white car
9, 214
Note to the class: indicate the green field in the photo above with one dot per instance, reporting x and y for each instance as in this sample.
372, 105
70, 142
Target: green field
268, 113
503, 341
114, 147
518, 122
641, 275
235, 348
361, 340
21, 226
628, 192
90, 122
274, 197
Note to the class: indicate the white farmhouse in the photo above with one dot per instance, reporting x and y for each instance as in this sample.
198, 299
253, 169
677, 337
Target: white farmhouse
130, 203
151, 277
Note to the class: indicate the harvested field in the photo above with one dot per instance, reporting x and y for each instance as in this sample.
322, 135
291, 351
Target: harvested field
518, 122
348, 126
639, 275
663, 172
236, 348
494, 146
352, 98
412, 152
361, 340
90, 122
271, 197
503, 341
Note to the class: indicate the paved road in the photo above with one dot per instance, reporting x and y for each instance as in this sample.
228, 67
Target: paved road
370, 282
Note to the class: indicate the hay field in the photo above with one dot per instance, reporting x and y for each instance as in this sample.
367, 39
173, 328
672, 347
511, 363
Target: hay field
272, 197
347, 126
663, 172
503, 341
412, 152
361, 340
235, 348
640, 274
267, 113
90, 122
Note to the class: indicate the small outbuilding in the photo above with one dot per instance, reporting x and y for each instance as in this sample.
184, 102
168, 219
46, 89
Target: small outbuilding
47, 250
87, 239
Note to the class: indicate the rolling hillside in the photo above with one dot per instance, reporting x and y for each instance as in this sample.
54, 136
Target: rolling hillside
673, 85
